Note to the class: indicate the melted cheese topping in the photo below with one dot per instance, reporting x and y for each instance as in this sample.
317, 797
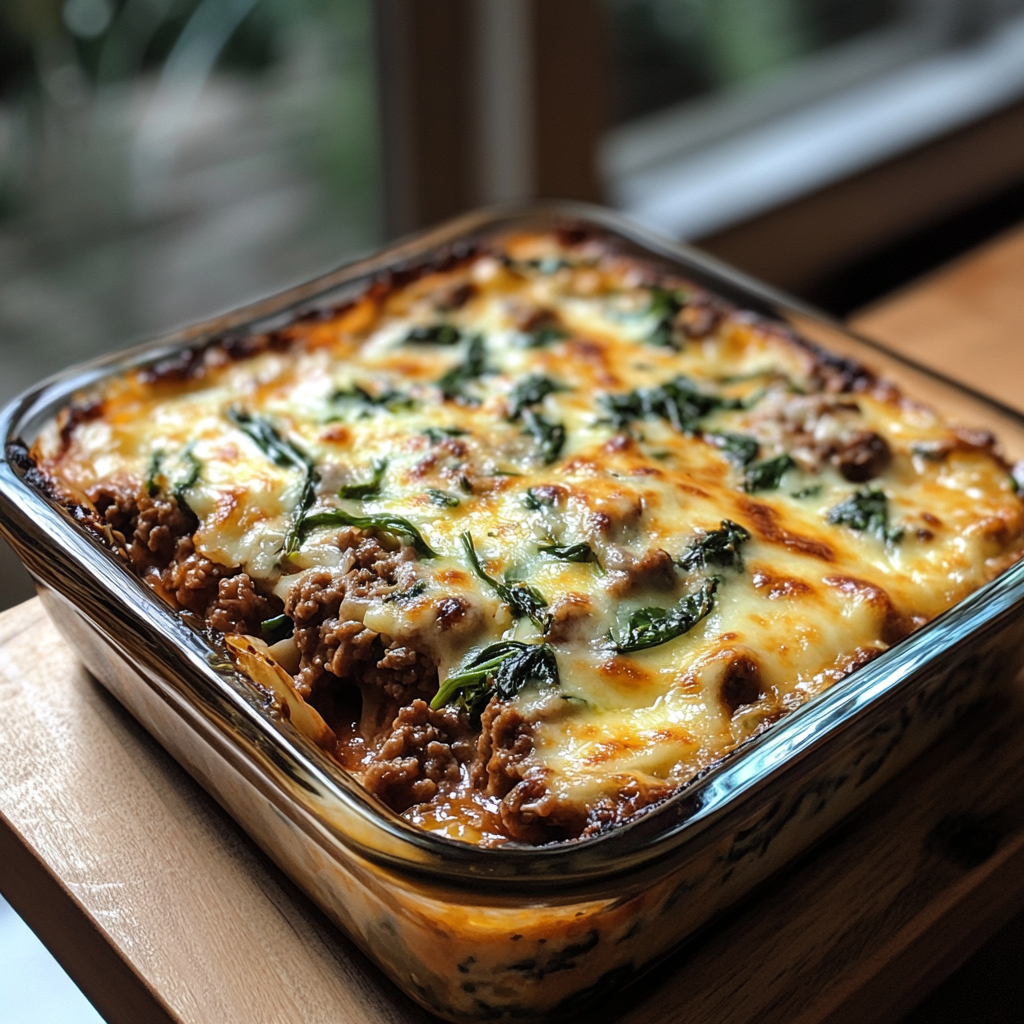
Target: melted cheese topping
812, 594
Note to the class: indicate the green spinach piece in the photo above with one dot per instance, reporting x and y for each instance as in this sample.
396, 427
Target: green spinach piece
767, 475
550, 436
679, 402
524, 601
664, 306
740, 449
719, 547
529, 391
867, 510
280, 627
281, 452
535, 502
810, 491
443, 499
190, 479
435, 334
389, 399
439, 434
473, 366
503, 669
581, 552
383, 522
371, 489
419, 587
284, 454
651, 627
542, 336
155, 462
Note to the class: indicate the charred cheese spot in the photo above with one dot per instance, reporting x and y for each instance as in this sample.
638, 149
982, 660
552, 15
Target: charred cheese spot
741, 683
765, 520
892, 626
776, 587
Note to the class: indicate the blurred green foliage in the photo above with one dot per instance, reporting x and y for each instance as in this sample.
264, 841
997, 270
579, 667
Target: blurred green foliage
162, 160
79, 53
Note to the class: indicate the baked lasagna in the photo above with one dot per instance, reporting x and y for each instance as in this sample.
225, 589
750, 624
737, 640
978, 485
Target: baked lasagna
530, 536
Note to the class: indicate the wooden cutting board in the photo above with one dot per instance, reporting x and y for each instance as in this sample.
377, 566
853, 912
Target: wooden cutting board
161, 909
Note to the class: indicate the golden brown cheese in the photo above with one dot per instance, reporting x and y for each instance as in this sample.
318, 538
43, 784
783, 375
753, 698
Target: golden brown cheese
541, 534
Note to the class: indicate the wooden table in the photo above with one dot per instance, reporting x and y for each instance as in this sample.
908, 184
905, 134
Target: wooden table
162, 910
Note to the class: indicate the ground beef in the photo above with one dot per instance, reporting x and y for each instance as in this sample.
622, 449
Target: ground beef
571, 618
654, 570
421, 757
529, 811
159, 525
863, 457
117, 508
402, 671
823, 429
630, 799
191, 581
238, 607
533, 813
330, 636
148, 529
155, 534
506, 741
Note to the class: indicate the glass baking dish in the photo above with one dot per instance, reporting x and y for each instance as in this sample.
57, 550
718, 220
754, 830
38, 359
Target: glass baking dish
487, 934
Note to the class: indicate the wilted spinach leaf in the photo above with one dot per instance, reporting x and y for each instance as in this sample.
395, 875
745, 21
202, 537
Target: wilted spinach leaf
284, 454
389, 399
741, 449
419, 587
550, 437
581, 552
524, 601
442, 498
663, 308
767, 475
280, 627
382, 521
542, 336
719, 547
371, 489
435, 334
651, 627
529, 391
679, 402
439, 434
503, 669
473, 365
868, 511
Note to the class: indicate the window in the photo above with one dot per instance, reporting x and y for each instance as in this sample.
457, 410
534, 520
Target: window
725, 108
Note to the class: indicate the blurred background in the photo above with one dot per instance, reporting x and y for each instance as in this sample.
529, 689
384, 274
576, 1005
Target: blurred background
165, 160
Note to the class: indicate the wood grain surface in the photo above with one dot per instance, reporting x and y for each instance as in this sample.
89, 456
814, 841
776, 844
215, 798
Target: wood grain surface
966, 320
162, 910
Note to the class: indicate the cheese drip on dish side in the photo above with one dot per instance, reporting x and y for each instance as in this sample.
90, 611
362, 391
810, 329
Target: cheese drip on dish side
533, 539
